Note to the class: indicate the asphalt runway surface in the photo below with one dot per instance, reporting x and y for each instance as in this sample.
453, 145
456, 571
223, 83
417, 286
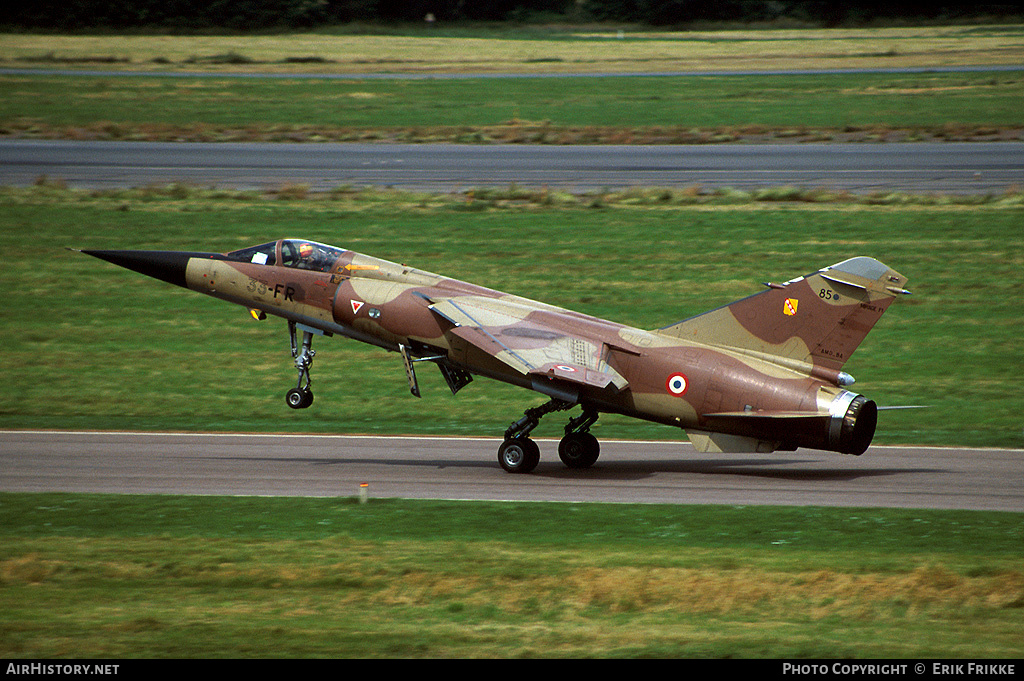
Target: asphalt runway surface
969, 168
467, 468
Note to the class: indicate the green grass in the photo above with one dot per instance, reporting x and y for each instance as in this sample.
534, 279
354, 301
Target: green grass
117, 576
560, 110
88, 345
522, 49
545, 110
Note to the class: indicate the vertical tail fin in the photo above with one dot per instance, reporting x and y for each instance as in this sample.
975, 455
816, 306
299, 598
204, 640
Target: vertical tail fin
819, 318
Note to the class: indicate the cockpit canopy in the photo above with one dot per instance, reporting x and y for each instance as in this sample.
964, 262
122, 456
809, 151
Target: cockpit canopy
298, 253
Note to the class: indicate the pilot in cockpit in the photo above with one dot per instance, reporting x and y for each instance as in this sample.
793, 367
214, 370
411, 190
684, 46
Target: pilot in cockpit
316, 257
310, 257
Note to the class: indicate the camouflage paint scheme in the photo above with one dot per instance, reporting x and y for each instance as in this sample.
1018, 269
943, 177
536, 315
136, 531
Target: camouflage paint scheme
761, 374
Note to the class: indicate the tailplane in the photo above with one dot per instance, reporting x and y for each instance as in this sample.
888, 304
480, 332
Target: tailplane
818, 319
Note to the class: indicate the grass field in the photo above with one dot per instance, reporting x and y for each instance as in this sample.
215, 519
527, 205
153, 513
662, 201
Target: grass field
855, 107
665, 109
89, 345
94, 576
593, 49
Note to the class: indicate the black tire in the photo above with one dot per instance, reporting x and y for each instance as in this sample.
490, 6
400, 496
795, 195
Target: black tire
298, 399
579, 450
519, 455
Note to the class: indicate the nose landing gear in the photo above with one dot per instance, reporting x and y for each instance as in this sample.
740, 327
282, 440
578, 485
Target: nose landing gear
301, 396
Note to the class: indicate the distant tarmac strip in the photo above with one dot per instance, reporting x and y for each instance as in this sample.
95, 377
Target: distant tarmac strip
467, 469
919, 167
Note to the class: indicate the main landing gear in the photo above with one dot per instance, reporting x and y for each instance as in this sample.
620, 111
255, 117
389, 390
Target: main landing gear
577, 449
301, 396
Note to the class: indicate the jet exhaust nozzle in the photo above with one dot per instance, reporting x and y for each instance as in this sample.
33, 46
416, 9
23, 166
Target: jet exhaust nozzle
853, 428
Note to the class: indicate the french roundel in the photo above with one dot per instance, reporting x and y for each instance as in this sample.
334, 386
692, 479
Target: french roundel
677, 384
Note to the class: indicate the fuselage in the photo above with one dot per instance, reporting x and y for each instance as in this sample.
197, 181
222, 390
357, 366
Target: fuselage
669, 380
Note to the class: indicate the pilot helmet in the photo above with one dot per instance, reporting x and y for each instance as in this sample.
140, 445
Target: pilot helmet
305, 250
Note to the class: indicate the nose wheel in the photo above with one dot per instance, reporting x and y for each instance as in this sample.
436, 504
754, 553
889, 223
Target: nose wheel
301, 396
298, 398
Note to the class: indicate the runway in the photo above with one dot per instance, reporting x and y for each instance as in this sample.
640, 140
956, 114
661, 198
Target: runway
466, 468
969, 168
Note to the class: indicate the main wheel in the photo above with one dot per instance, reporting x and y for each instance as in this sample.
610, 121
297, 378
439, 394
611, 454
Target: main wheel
579, 450
519, 455
298, 399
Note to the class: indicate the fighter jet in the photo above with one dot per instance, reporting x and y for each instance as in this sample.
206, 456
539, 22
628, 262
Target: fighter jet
758, 375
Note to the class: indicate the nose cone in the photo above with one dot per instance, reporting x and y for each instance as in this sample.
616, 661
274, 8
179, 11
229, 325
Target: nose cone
167, 266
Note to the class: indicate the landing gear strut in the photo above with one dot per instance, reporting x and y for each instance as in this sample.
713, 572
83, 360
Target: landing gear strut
301, 396
578, 449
